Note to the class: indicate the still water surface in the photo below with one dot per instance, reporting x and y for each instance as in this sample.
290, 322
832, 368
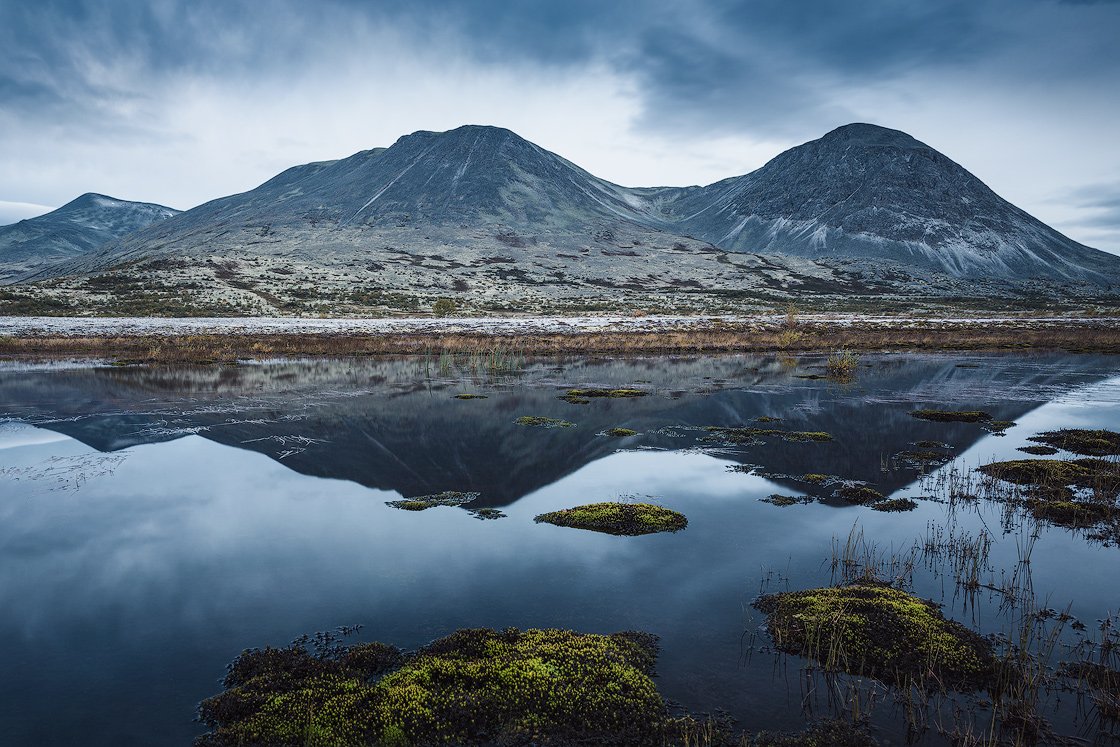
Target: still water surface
154, 522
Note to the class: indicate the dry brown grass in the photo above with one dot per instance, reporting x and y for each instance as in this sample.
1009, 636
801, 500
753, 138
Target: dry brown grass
718, 339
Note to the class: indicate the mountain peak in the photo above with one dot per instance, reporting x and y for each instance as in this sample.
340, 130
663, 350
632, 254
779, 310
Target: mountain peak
861, 133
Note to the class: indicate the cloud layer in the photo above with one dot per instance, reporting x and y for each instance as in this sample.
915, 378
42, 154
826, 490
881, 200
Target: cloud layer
179, 102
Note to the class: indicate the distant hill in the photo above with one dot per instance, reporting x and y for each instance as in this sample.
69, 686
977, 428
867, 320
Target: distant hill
70, 231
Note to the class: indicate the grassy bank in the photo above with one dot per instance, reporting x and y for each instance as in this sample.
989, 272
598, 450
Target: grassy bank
1012, 335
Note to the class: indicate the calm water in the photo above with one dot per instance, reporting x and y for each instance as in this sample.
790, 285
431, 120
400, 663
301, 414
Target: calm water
155, 522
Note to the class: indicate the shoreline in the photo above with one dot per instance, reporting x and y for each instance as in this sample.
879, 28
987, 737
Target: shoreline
206, 340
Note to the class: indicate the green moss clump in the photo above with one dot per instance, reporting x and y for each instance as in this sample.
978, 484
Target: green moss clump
815, 478
486, 513
1038, 450
872, 629
827, 733
424, 502
470, 396
626, 519
895, 505
543, 422
751, 436
785, 500
767, 419
952, 416
473, 687
1084, 473
923, 457
1077, 514
861, 495
621, 432
576, 400
932, 445
1079, 441
611, 393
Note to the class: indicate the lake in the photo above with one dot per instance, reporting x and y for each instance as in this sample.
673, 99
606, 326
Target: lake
156, 521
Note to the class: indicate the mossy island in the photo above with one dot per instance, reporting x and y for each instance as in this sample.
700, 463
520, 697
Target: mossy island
608, 393
1077, 494
538, 421
468, 395
860, 495
624, 519
952, 416
424, 502
1098, 443
621, 432
872, 629
474, 687
749, 436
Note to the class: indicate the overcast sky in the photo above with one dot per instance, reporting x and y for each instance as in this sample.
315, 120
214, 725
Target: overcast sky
182, 101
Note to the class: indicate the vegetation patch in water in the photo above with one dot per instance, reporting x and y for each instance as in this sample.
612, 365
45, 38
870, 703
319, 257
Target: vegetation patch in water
750, 436
871, 629
952, 416
1079, 494
895, 505
767, 419
786, 500
611, 393
827, 733
861, 495
621, 432
424, 502
470, 396
1050, 473
473, 687
932, 445
543, 422
923, 458
816, 478
626, 519
1038, 450
1097, 443
486, 513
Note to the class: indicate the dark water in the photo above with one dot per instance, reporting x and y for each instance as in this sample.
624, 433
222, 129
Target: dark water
155, 522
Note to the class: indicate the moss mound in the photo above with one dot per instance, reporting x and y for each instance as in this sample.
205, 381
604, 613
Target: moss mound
621, 432
786, 500
627, 519
424, 502
874, 630
952, 416
861, 495
612, 393
470, 396
473, 687
1049, 473
543, 422
816, 478
1077, 441
895, 505
1038, 450
756, 435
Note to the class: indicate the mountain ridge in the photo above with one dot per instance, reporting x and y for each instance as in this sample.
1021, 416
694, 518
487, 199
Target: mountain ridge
480, 213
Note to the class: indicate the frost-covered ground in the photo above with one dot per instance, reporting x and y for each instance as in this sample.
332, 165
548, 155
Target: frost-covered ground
127, 326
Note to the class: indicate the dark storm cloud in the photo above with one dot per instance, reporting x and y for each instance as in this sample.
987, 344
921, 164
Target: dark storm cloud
766, 67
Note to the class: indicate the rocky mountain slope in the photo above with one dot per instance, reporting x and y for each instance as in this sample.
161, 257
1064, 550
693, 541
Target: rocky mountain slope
871, 192
483, 216
71, 231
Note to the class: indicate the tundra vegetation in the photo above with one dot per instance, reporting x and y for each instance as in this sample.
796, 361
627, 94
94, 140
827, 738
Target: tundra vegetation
628, 519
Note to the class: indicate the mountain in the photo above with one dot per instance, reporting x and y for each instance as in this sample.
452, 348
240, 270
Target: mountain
488, 218
864, 191
71, 231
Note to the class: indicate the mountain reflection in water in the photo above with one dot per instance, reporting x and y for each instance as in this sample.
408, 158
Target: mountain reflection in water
156, 521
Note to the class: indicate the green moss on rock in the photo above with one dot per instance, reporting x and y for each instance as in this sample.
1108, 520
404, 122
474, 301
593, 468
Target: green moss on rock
470, 396
872, 629
627, 519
